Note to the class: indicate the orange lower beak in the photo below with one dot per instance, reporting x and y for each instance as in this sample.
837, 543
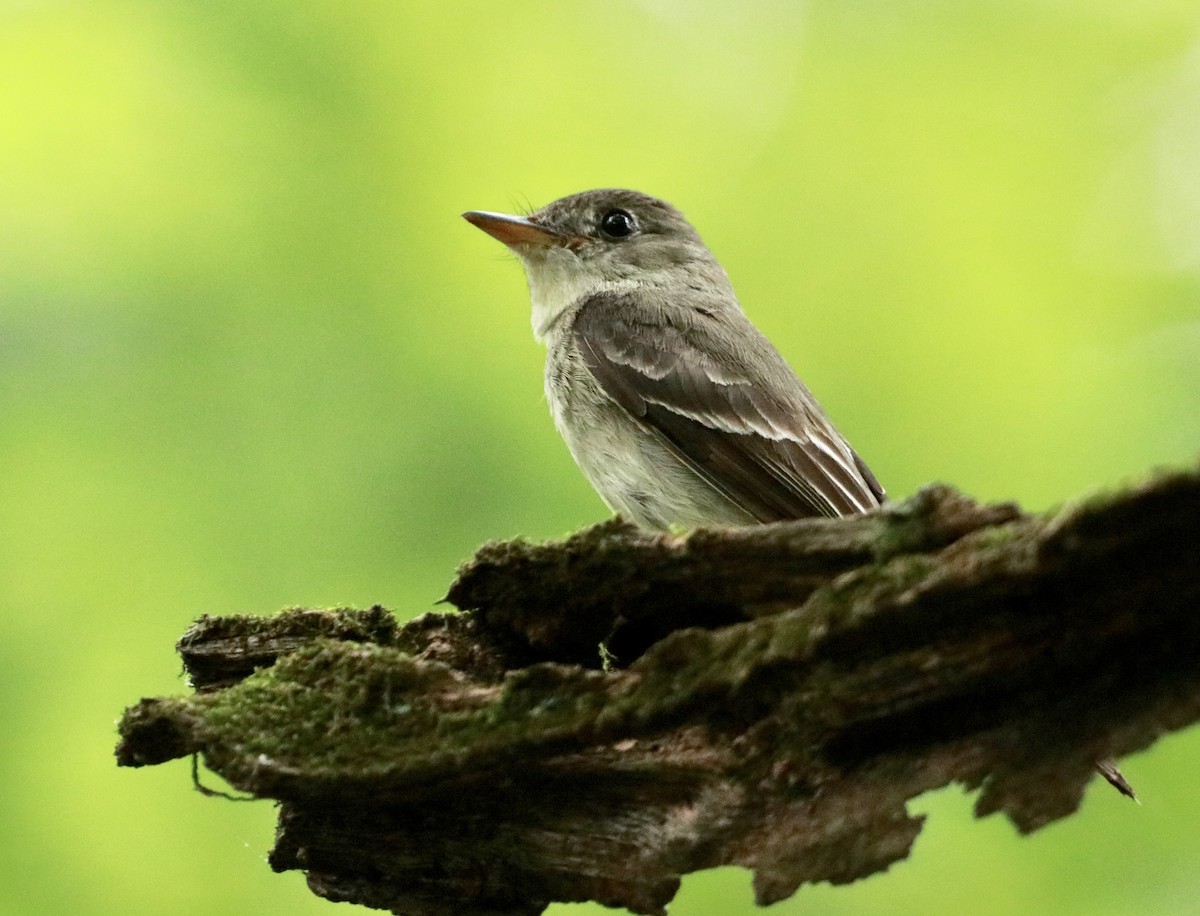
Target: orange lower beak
514, 230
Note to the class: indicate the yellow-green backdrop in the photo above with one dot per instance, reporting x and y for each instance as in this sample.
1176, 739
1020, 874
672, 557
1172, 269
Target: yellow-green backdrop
251, 357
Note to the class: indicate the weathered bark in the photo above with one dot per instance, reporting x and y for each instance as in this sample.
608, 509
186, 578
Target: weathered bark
611, 712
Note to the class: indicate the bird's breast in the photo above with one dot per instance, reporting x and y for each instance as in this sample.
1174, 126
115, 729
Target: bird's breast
626, 463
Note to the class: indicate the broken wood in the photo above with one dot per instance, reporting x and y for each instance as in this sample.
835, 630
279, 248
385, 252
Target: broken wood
616, 710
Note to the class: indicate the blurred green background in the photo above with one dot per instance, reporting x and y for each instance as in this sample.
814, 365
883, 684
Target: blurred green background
251, 357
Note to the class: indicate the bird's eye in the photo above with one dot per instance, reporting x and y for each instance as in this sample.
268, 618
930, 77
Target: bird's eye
617, 224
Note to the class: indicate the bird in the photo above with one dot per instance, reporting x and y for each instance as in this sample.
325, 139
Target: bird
676, 408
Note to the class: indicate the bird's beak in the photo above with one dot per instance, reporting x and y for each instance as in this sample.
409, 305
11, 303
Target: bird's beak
516, 231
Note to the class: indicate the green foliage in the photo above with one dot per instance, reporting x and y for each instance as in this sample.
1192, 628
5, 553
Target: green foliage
250, 357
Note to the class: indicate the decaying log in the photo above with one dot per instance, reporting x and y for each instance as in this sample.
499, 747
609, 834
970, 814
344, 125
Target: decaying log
616, 710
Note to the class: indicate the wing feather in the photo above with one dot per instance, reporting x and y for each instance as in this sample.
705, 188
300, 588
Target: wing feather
752, 431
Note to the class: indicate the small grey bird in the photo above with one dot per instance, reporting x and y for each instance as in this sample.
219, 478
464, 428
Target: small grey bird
677, 410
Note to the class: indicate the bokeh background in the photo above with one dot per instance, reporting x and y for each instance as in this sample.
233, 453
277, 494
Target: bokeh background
251, 357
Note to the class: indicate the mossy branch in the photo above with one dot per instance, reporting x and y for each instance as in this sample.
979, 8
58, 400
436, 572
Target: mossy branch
611, 712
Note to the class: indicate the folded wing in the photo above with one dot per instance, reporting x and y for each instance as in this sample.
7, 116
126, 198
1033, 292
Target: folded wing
751, 430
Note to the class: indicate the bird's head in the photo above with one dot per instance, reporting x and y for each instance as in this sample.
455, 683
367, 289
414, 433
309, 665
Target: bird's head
603, 240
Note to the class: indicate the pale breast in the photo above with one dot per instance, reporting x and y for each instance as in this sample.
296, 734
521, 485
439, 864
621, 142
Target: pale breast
628, 465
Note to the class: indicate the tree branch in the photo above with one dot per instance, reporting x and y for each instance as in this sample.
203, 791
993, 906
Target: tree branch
616, 710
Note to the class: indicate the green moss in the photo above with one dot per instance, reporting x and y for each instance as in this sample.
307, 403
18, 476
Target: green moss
1000, 535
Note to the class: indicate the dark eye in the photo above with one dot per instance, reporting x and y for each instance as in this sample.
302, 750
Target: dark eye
617, 224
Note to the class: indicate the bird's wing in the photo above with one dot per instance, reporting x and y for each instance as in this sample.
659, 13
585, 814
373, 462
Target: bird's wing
753, 432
